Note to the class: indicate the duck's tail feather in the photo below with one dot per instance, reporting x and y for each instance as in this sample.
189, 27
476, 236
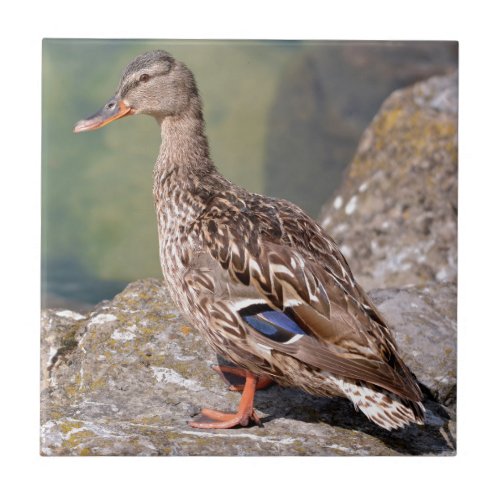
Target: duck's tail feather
384, 408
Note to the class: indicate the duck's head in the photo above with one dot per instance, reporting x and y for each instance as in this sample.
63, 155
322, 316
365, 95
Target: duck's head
153, 84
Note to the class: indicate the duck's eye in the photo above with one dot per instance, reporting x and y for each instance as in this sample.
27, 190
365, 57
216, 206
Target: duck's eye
144, 78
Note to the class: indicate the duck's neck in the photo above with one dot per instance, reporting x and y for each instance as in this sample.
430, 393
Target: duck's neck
184, 175
184, 146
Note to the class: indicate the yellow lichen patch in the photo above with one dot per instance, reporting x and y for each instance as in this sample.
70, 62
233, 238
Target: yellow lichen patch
97, 384
388, 119
69, 426
72, 390
85, 452
155, 419
77, 438
182, 368
147, 331
186, 330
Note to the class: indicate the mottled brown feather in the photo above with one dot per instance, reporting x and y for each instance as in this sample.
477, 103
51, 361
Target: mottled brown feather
349, 338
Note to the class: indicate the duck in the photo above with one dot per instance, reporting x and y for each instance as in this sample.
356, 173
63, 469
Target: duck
257, 277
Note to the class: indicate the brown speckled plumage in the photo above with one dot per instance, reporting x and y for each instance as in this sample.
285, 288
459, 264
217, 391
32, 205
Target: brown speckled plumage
231, 258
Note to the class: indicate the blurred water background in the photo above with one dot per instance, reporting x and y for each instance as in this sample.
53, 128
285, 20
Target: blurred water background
283, 118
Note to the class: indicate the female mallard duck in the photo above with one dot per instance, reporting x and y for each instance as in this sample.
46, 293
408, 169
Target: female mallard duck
256, 276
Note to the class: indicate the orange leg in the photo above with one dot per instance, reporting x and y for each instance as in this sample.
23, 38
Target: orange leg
235, 377
212, 419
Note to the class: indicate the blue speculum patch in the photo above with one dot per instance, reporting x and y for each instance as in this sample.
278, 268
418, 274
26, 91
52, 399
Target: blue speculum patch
276, 325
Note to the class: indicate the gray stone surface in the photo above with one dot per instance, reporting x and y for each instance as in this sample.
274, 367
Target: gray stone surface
395, 214
126, 378
425, 321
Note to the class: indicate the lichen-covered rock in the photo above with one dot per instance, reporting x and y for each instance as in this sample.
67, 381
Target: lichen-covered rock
126, 378
395, 214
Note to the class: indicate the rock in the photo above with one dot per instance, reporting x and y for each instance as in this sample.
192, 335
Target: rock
424, 320
126, 378
326, 99
395, 215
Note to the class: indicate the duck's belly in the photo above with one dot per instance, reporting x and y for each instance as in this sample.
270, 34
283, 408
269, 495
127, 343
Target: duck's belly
181, 294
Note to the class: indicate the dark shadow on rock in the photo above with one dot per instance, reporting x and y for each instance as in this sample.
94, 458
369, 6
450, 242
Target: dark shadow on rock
289, 403
281, 402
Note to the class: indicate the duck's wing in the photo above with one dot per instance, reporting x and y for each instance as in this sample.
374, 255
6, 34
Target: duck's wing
292, 288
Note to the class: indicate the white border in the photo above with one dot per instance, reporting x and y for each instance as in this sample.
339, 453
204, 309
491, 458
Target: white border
471, 472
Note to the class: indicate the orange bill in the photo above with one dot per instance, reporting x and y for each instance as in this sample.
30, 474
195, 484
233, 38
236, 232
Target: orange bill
111, 111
